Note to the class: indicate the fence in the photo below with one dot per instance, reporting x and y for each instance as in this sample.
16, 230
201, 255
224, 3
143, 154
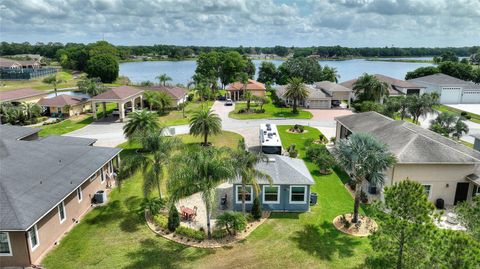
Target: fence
26, 73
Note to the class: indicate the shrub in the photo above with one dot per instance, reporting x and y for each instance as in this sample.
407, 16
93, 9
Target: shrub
219, 233
314, 150
322, 139
332, 139
463, 113
343, 220
301, 128
189, 232
161, 220
256, 209
366, 106
308, 142
242, 110
154, 205
324, 160
292, 151
232, 221
259, 111
173, 219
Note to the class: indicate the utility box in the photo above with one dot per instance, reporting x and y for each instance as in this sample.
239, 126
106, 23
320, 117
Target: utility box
100, 197
313, 198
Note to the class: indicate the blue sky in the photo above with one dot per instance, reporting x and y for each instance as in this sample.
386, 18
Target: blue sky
353, 23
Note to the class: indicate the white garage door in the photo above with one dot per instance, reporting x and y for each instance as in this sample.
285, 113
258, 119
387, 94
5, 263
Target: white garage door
319, 104
471, 96
450, 95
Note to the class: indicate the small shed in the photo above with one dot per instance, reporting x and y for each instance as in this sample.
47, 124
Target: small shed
289, 190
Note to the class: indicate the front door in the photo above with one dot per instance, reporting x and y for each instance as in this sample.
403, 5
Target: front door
462, 192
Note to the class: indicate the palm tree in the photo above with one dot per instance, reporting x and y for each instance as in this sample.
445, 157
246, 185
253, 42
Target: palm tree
91, 86
150, 97
52, 80
200, 170
368, 87
140, 124
363, 158
296, 91
205, 122
421, 105
164, 101
31, 109
245, 169
449, 124
330, 74
163, 78
156, 154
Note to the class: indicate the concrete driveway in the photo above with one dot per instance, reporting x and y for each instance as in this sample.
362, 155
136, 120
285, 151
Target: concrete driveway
107, 133
328, 114
472, 108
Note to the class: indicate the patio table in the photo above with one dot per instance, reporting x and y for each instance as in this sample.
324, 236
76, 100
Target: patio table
188, 212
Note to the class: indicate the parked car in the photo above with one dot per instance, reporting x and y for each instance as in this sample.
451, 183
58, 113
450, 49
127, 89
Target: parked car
116, 112
229, 102
335, 103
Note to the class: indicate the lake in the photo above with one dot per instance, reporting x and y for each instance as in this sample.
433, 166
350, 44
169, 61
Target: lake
182, 71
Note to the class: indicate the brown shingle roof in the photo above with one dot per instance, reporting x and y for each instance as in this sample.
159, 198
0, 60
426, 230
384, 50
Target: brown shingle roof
61, 101
20, 94
175, 92
252, 85
4, 62
118, 93
393, 83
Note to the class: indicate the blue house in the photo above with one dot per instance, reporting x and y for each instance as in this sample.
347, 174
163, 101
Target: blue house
288, 192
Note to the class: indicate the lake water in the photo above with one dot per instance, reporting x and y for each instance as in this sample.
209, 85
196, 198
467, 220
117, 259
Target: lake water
182, 71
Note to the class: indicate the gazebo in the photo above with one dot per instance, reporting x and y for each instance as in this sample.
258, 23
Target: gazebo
122, 95
235, 90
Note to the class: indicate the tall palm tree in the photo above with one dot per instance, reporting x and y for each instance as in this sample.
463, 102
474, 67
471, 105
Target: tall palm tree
296, 91
31, 109
155, 155
54, 81
330, 74
200, 170
421, 105
205, 122
245, 169
91, 86
164, 101
368, 87
140, 124
363, 158
163, 78
150, 97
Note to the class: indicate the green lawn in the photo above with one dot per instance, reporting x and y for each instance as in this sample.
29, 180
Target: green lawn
470, 145
225, 139
72, 124
271, 111
175, 117
115, 236
38, 84
443, 108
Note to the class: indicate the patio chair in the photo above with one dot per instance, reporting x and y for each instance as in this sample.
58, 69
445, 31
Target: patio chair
195, 209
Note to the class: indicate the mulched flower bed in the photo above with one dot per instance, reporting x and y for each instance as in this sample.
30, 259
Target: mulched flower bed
366, 227
207, 243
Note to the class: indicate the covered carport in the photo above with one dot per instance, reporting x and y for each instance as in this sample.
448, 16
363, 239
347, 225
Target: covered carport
122, 96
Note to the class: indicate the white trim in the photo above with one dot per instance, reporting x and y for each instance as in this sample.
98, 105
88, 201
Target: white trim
64, 212
79, 191
304, 194
237, 192
36, 236
10, 253
278, 194
429, 190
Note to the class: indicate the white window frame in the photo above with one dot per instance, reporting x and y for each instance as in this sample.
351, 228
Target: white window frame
429, 190
79, 194
102, 175
36, 236
64, 212
10, 253
304, 194
278, 194
238, 191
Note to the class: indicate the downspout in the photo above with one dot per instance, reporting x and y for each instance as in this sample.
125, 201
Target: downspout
393, 175
28, 248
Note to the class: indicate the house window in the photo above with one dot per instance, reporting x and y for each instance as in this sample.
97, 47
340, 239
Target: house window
61, 212
298, 194
79, 194
110, 167
33, 237
248, 194
5, 247
428, 190
271, 194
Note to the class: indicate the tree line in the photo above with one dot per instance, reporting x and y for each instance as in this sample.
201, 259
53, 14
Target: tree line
51, 49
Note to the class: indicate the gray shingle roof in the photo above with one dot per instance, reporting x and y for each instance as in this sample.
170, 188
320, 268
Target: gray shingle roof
409, 142
16, 132
284, 170
68, 140
443, 80
35, 176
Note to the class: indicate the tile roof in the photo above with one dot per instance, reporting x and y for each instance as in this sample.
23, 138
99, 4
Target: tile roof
393, 84
175, 92
35, 176
284, 170
409, 142
20, 94
444, 80
252, 85
319, 90
118, 93
62, 100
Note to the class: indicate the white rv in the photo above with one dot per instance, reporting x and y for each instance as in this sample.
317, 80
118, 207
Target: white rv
270, 142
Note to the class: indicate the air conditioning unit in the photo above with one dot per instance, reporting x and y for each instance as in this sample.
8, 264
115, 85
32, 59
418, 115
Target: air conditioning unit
100, 197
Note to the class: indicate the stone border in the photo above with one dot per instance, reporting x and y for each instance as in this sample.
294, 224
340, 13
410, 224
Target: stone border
352, 231
206, 243
290, 132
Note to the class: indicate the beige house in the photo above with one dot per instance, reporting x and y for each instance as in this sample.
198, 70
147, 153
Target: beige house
448, 170
40, 204
396, 87
65, 105
235, 90
324, 94
178, 95
22, 95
